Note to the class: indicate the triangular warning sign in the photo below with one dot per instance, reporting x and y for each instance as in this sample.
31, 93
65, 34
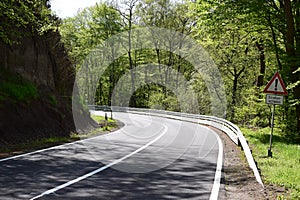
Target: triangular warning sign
276, 85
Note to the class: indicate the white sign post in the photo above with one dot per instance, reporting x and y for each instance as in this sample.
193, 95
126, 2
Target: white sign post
275, 88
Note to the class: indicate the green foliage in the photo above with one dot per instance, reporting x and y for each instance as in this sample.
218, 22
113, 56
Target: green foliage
15, 88
226, 34
96, 24
18, 92
17, 15
292, 86
159, 101
157, 97
202, 95
252, 109
88, 29
237, 34
164, 14
107, 125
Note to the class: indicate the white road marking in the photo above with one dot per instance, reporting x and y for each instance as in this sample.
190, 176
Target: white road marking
216, 187
99, 169
217, 180
214, 191
38, 151
54, 147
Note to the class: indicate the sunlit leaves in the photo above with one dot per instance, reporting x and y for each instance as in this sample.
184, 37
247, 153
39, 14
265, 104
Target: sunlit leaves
89, 28
19, 14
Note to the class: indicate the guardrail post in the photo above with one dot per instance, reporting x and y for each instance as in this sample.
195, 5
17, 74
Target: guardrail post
239, 143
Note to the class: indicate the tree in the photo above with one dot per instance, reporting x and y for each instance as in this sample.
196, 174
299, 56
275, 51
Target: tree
292, 45
90, 28
127, 12
233, 48
17, 15
275, 19
172, 17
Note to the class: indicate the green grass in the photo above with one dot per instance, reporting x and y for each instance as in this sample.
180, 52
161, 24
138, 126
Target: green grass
111, 124
98, 118
13, 87
283, 168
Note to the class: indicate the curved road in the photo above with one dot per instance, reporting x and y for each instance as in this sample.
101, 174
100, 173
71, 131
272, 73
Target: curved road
149, 158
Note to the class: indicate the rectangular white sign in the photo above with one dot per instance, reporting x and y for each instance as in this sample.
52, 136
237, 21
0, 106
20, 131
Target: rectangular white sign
274, 99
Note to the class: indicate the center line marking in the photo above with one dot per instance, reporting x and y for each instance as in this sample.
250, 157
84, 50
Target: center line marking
53, 190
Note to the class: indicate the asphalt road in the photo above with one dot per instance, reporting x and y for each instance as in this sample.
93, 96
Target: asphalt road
149, 158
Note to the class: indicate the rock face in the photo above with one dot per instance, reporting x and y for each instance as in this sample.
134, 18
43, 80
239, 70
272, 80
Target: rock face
42, 60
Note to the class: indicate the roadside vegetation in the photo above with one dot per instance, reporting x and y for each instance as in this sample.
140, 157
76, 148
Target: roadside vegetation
15, 89
105, 127
283, 168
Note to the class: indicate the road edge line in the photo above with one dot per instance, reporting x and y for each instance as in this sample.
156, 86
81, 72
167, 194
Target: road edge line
53, 190
218, 175
54, 147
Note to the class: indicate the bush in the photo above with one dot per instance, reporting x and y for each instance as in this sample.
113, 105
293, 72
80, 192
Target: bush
252, 109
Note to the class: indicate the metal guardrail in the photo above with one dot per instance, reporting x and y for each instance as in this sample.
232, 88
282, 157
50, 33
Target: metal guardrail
102, 108
226, 126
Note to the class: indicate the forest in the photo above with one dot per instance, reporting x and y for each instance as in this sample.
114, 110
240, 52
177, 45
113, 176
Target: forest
248, 41
205, 57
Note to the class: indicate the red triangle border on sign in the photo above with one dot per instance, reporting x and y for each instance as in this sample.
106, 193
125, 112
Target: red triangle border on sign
276, 75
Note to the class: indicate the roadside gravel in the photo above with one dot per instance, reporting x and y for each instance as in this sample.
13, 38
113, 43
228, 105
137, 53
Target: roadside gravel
240, 182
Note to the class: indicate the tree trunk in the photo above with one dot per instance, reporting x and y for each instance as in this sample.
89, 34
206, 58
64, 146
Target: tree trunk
260, 78
159, 65
291, 53
234, 91
297, 37
131, 66
274, 41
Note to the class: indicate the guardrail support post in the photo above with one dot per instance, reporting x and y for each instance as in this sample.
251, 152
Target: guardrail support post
239, 143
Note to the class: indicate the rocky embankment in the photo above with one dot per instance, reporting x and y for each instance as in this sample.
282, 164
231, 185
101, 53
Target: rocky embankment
46, 111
